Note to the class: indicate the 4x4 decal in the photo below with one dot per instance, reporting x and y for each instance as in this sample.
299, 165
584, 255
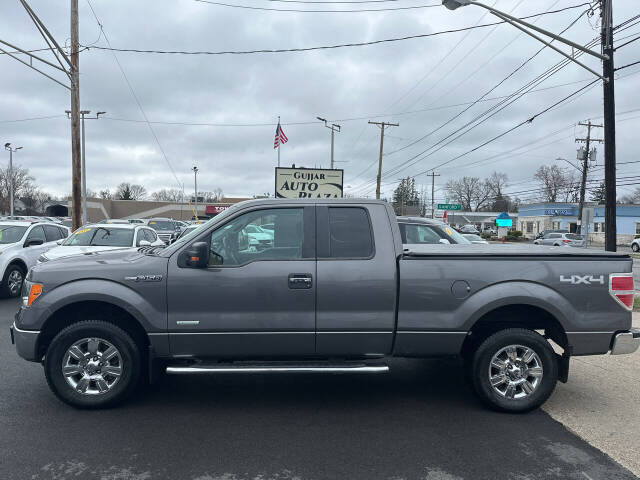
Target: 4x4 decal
582, 279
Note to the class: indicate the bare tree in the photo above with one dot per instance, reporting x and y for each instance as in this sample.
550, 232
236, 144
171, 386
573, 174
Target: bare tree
129, 191
167, 195
553, 182
106, 194
471, 192
22, 182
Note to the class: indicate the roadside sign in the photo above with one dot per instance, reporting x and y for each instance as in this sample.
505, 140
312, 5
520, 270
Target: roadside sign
449, 206
308, 183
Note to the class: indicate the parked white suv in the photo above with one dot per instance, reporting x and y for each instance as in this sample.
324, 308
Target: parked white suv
21, 243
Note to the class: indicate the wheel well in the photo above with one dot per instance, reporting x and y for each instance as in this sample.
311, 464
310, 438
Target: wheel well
20, 263
91, 310
510, 316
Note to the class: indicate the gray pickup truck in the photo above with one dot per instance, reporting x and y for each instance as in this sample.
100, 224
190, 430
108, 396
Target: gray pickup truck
336, 291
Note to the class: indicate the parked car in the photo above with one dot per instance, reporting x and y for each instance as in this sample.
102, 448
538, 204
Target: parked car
259, 238
546, 232
21, 243
420, 230
562, 239
141, 221
469, 229
473, 238
635, 245
337, 292
490, 231
187, 230
100, 237
166, 228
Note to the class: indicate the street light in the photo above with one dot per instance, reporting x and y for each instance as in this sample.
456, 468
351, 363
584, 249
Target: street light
83, 116
333, 127
609, 92
7, 146
195, 189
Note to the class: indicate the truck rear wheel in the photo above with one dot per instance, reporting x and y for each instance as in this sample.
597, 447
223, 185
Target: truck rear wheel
514, 370
92, 364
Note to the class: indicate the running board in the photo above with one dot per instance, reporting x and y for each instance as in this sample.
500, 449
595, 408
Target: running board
244, 368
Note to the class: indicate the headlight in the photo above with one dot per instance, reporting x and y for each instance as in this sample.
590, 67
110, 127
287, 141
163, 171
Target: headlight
30, 292
43, 258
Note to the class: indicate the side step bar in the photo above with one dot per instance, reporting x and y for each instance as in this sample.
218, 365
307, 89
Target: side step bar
230, 368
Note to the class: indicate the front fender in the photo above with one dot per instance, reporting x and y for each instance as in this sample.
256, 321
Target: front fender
152, 316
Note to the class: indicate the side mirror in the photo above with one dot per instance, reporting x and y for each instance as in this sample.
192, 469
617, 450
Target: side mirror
444, 241
60, 242
33, 241
198, 255
144, 243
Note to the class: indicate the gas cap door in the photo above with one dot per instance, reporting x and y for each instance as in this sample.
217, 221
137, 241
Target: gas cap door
460, 289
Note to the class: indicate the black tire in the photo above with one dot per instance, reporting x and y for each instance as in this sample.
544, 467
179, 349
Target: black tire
495, 343
129, 361
635, 247
11, 271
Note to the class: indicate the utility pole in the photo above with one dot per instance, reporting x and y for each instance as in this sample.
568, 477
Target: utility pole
610, 228
195, 189
334, 127
585, 166
76, 168
433, 176
382, 126
7, 146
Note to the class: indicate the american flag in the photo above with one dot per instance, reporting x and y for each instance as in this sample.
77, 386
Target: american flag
280, 137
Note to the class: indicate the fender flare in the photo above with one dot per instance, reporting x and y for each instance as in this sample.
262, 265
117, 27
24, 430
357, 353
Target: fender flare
515, 293
153, 318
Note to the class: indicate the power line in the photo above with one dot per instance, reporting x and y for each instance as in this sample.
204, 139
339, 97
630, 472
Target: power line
322, 47
268, 9
135, 97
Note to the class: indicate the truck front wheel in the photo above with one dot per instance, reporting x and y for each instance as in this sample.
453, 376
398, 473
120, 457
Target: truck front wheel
514, 370
92, 364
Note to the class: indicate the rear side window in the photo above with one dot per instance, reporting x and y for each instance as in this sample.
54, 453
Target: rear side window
350, 233
418, 234
52, 233
63, 232
573, 236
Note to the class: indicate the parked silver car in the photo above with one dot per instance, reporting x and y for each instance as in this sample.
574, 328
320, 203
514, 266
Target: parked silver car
562, 239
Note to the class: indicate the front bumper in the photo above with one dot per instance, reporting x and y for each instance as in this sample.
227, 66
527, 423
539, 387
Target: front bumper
626, 342
26, 342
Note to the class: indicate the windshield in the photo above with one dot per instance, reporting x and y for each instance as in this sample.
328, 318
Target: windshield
101, 236
457, 237
11, 233
162, 225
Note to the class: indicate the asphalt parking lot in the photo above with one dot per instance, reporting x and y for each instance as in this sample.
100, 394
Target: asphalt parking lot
418, 422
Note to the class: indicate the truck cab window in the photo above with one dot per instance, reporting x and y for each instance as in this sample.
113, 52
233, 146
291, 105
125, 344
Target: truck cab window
243, 240
350, 233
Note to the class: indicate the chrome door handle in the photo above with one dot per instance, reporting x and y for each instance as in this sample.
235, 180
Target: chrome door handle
300, 280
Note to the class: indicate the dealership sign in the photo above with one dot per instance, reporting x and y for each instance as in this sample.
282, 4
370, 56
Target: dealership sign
559, 211
308, 183
215, 209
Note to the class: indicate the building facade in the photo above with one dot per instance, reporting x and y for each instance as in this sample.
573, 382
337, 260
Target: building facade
538, 217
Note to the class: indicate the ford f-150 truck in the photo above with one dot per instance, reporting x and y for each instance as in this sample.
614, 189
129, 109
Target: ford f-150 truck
336, 291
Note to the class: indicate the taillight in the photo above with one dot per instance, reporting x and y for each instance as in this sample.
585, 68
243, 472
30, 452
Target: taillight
566, 241
621, 288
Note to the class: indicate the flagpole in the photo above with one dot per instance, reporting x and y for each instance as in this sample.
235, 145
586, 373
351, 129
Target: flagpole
279, 143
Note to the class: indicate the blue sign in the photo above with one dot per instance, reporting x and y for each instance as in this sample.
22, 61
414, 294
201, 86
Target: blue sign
504, 220
559, 211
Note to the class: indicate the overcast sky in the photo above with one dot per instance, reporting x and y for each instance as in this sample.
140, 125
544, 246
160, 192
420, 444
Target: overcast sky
427, 77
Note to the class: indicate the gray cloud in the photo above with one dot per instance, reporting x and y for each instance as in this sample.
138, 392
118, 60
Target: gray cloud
340, 83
